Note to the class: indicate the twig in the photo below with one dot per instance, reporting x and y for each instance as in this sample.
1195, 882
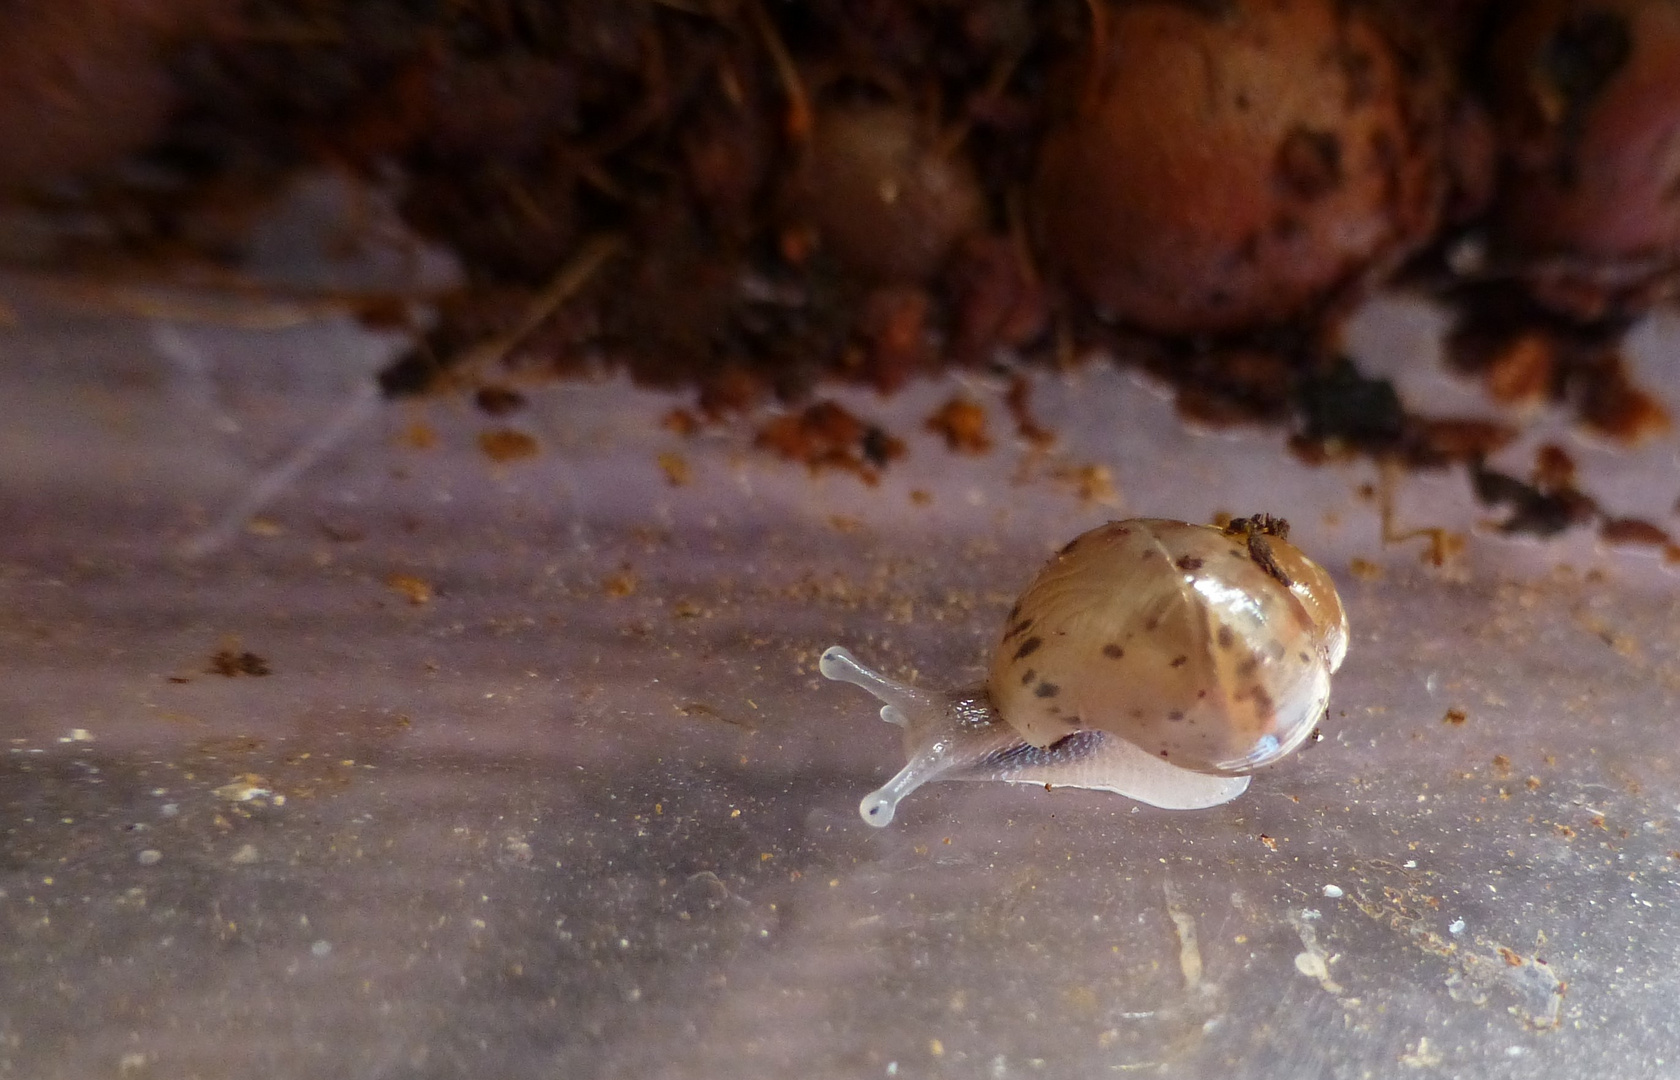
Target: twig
1099, 49
1443, 543
953, 137
799, 117
595, 253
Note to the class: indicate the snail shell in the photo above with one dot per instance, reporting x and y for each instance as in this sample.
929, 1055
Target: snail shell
1158, 659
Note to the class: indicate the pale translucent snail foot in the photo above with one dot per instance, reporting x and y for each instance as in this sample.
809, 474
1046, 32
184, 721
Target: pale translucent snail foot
957, 736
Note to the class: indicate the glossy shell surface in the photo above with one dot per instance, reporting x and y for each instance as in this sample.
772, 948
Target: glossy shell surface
1200, 648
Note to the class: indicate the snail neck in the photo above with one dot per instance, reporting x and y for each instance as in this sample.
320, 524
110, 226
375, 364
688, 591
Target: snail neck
945, 732
947, 737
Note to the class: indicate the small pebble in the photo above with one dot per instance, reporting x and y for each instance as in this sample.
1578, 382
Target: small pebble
1334, 892
150, 857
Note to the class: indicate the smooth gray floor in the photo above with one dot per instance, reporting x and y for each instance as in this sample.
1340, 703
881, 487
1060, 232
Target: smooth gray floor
535, 828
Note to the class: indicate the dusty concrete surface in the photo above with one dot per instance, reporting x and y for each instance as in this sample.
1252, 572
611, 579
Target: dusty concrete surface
541, 780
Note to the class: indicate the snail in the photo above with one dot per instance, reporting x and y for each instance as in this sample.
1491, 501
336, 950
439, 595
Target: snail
1157, 659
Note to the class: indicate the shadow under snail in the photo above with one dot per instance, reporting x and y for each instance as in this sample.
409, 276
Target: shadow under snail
1157, 659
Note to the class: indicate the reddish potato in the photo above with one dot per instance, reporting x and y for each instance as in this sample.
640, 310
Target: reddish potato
1587, 106
82, 82
1222, 171
885, 199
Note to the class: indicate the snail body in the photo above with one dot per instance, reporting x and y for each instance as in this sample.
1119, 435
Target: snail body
1157, 659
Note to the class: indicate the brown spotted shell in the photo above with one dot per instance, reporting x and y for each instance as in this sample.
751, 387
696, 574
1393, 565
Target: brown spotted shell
1209, 648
